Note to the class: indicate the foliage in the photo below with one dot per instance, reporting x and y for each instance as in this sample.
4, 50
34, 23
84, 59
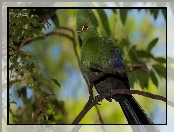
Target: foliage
40, 70
24, 66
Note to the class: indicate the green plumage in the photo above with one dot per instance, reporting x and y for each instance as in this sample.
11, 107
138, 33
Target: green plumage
102, 51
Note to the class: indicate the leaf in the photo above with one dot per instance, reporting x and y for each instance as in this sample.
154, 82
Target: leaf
55, 20
30, 80
56, 82
36, 69
141, 53
132, 78
154, 78
104, 20
161, 70
144, 79
13, 102
160, 59
94, 19
123, 15
154, 12
114, 11
152, 44
164, 13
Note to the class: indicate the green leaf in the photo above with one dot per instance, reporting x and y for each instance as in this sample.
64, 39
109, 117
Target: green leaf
132, 78
141, 53
144, 79
152, 44
160, 59
11, 60
123, 15
36, 69
13, 102
161, 70
56, 82
154, 12
94, 19
11, 52
30, 80
154, 78
55, 20
104, 20
164, 13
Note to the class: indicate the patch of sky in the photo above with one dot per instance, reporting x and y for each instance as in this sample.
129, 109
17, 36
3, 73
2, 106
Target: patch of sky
74, 85
50, 29
160, 21
135, 36
56, 51
14, 97
137, 16
28, 48
29, 92
159, 50
159, 113
108, 12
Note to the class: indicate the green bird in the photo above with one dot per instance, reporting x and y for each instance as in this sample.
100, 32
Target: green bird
102, 50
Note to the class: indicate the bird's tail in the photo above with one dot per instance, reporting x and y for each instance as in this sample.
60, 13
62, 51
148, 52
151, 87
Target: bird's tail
133, 112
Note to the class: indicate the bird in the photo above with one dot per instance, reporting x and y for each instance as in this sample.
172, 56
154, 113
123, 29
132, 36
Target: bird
103, 51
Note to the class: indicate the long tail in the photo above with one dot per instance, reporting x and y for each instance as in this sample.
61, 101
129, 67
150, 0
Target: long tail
133, 112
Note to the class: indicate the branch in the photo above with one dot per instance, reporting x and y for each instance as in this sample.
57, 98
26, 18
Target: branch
60, 34
91, 102
141, 67
100, 97
40, 108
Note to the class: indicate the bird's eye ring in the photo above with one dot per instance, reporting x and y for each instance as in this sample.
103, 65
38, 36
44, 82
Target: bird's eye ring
85, 27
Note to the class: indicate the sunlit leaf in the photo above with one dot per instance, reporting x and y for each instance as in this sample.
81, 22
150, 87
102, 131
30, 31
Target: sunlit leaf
104, 20
152, 44
160, 59
161, 70
154, 78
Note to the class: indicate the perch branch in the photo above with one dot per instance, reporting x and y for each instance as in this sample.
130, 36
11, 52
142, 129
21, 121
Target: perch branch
93, 101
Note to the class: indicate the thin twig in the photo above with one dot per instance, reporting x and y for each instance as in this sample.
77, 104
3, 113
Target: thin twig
40, 109
98, 112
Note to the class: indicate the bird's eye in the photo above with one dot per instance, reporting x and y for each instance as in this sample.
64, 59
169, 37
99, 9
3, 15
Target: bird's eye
85, 27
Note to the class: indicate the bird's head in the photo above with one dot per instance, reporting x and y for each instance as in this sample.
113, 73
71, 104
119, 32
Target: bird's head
86, 25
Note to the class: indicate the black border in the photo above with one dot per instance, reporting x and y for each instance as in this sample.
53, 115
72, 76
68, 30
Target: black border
77, 8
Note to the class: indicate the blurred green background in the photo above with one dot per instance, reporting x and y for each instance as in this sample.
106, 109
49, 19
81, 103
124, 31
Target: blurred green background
55, 63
